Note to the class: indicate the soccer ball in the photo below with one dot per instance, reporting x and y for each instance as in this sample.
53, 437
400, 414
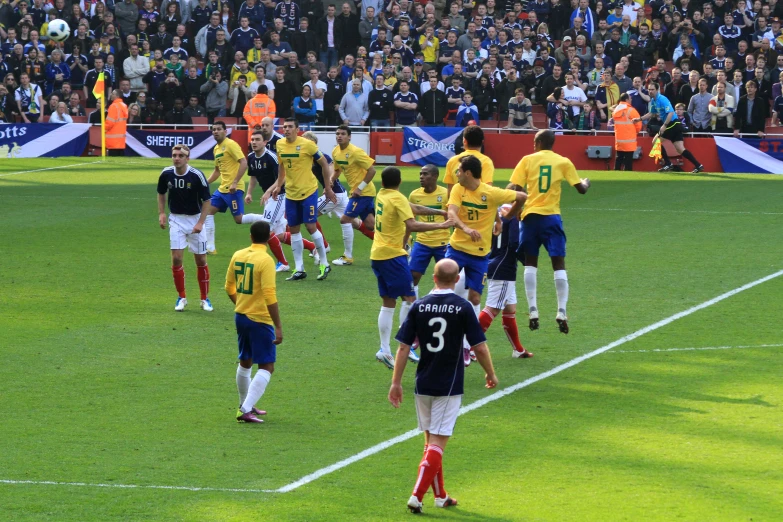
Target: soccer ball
58, 30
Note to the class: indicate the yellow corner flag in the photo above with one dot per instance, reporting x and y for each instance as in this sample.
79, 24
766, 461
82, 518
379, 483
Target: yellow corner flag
99, 91
655, 151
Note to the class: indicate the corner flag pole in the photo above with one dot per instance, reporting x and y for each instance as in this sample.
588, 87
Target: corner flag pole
99, 91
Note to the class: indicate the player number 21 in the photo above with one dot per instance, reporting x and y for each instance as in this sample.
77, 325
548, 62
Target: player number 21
437, 334
544, 178
245, 271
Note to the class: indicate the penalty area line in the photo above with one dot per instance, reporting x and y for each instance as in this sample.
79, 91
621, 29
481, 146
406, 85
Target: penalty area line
132, 486
696, 349
511, 389
50, 168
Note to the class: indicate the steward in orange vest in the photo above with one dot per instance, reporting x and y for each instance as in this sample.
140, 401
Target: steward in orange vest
116, 125
625, 131
256, 109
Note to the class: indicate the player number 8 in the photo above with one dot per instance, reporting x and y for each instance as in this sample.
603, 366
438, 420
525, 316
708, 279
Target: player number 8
441, 322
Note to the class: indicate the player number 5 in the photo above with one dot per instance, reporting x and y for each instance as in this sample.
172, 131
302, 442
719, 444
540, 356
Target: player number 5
437, 334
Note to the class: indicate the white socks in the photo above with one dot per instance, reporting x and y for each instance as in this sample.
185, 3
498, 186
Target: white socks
347, 229
561, 287
385, 323
530, 287
461, 289
404, 309
477, 311
243, 382
318, 239
416, 291
209, 228
256, 390
298, 247
251, 218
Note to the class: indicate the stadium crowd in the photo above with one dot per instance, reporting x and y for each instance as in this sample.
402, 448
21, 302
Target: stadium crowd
398, 62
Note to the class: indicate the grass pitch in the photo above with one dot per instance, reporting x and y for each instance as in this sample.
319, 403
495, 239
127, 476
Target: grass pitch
103, 384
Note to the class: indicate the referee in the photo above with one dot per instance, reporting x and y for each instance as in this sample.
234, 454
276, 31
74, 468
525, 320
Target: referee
440, 320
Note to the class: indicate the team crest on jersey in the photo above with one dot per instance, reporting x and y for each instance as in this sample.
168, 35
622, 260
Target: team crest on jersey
484, 197
440, 199
170, 185
188, 185
346, 156
298, 148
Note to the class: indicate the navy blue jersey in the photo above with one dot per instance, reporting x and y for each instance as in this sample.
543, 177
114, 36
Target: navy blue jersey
440, 320
264, 168
318, 172
186, 191
503, 257
271, 144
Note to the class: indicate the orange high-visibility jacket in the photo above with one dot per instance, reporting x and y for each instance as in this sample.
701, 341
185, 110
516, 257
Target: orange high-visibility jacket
256, 109
116, 124
625, 130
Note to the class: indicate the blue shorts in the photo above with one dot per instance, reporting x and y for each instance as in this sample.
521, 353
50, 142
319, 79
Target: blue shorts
543, 230
394, 277
223, 201
302, 211
475, 268
360, 207
421, 255
256, 340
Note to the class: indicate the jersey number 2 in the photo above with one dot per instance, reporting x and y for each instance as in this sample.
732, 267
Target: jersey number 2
437, 334
544, 178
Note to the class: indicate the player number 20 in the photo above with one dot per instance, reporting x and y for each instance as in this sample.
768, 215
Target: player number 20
437, 334
544, 178
244, 277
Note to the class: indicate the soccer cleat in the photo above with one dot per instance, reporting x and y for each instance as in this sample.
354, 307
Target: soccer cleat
297, 276
248, 417
466, 356
343, 261
206, 305
412, 357
533, 315
212, 252
282, 268
666, 168
181, 304
323, 272
562, 321
472, 355
445, 502
524, 354
414, 504
698, 169
385, 358
314, 252
256, 411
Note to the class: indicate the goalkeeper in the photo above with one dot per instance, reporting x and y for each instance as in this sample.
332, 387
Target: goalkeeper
625, 131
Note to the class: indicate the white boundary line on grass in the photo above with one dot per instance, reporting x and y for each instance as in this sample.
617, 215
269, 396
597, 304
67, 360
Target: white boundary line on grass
50, 168
729, 212
701, 348
413, 433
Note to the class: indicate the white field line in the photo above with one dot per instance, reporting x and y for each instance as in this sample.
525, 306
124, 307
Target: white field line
50, 168
668, 211
465, 409
701, 348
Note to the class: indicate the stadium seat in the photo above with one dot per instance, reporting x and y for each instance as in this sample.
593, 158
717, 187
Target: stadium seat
776, 131
200, 120
80, 119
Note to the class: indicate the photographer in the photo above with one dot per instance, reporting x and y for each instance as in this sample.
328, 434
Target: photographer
239, 94
216, 91
169, 91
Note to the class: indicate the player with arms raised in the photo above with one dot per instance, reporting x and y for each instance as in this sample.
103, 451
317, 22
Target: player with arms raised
440, 321
187, 190
541, 174
296, 156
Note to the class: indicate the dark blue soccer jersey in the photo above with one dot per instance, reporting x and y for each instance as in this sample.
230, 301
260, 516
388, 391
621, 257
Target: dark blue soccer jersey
272, 143
440, 320
503, 258
264, 168
186, 192
337, 187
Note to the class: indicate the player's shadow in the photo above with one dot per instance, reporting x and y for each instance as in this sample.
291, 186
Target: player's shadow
756, 400
459, 513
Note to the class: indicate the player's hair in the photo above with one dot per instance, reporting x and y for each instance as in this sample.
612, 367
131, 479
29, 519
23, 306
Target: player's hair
345, 128
391, 177
219, 123
257, 133
471, 164
259, 232
182, 148
473, 136
624, 97
431, 169
292, 120
446, 273
545, 138
310, 135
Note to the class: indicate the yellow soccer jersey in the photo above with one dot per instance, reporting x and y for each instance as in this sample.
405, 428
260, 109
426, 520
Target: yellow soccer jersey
540, 175
437, 199
477, 209
487, 167
251, 275
227, 157
392, 210
297, 159
353, 162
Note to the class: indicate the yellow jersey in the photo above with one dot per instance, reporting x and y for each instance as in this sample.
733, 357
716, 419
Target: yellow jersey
437, 199
354, 163
227, 157
251, 276
540, 174
297, 159
392, 210
487, 167
477, 209
430, 51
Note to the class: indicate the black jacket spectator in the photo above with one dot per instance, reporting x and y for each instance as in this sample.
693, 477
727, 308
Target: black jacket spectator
433, 106
381, 102
304, 41
484, 99
192, 86
322, 30
285, 92
758, 117
175, 117
349, 31
335, 90
313, 10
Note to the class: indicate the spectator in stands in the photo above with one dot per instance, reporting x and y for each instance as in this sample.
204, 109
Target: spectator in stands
6, 105
51, 106
557, 111
135, 67
484, 98
467, 112
335, 90
520, 111
294, 71
722, 110
406, 105
751, 114
194, 108
177, 114
347, 25
29, 99
354, 109
607, 96
381, 102
304, 40
764, 86
698, 108
433, 104
239, 94
304, 109
284, 93
134, 114
216, 91
56, 72
74, 105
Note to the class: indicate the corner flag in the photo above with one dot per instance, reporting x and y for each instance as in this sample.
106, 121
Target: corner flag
99, 91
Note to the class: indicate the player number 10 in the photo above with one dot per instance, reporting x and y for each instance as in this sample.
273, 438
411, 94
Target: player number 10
544, 178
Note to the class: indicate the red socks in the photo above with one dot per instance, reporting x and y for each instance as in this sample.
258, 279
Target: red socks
428, 469
179, 279
309, 245
203, 280
366, 231
485, 318
318, 226
512, 332
277, 249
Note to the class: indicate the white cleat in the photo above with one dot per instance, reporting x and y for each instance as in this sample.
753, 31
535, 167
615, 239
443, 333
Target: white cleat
206, 305
533, 318
181, 304
282, 268
445, 502
414, 505
413, 357
343, 261
385, 358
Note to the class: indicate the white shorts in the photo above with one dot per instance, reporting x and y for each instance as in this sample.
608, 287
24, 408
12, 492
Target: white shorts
274, 214
501, 293
325, 206
438, 415
181, 236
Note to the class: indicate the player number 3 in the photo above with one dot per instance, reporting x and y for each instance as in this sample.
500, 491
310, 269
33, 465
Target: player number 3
437, 334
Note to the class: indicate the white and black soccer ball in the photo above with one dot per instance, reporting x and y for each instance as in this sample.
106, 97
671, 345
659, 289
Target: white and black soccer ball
58, 30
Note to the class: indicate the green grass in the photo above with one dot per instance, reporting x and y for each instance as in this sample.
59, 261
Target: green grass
101, 382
